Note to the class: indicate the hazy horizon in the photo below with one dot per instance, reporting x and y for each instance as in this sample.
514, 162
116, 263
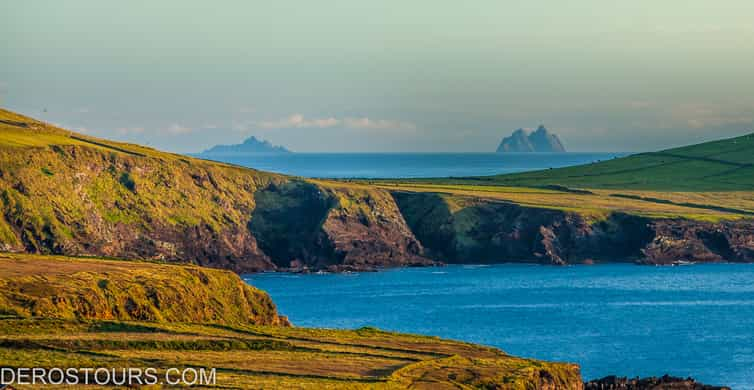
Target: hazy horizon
387, 76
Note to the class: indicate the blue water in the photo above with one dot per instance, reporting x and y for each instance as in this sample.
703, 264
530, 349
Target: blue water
403, 165
611, 319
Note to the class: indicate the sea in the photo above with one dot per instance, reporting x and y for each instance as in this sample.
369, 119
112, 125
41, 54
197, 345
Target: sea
624, 319
630, 320
406, 165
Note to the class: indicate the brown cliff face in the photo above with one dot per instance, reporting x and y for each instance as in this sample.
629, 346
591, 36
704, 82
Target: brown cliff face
306, 226
480, 231
367, 231
693, 241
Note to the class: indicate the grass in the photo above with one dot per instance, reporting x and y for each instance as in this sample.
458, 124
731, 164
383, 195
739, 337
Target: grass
724, 165
594, 203
253, 356
74, 288
62, 192
19, 131
239, 342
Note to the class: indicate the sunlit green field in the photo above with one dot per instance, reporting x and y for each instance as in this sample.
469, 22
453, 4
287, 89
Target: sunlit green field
709, 206
724, 165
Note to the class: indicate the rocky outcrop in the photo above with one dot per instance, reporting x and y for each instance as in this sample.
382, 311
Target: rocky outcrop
305, 226
696, 241
368, 231
540, 140
653, 383
466, 230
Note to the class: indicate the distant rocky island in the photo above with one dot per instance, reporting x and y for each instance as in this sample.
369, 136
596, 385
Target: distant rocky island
250, 145
541, 140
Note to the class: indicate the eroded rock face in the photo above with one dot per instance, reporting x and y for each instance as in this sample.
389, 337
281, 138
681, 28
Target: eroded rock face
303, 226
694, 241
481, 231
367, 231
76, 200
653, 383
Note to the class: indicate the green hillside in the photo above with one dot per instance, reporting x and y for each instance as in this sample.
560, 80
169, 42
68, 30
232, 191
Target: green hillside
67, 193
725, 165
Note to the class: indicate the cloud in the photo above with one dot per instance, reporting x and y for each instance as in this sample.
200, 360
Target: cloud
176, 129
380, 124
298, 121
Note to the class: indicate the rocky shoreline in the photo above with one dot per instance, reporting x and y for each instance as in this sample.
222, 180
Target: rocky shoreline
665, 382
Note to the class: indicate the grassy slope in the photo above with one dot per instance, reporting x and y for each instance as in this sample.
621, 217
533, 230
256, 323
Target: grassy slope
61, 191
724, 165
73, 288
67, 193
203, 320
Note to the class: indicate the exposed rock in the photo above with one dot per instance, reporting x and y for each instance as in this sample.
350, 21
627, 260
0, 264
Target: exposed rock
544, 141
458, 230
303, 226
367, 231
696, 241
540, 140
653, 383
517, 142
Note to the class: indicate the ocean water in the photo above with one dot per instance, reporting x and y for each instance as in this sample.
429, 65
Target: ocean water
621, 319
405, 165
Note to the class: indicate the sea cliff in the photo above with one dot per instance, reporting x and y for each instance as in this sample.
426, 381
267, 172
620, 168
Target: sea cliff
68, 194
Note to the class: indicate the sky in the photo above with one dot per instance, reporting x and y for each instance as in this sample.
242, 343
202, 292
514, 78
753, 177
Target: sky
383, 76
